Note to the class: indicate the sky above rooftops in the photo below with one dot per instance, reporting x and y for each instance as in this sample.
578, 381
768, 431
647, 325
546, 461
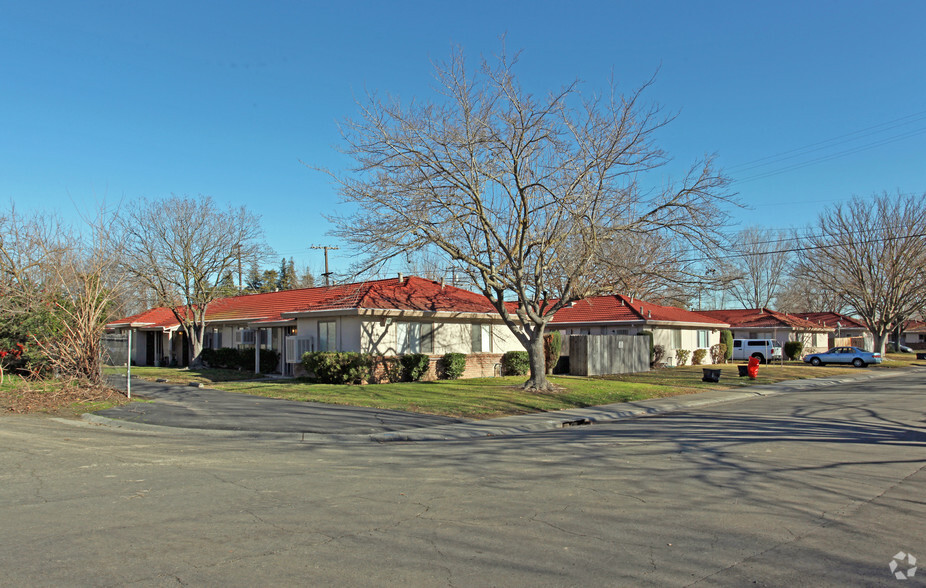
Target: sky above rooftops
804, 103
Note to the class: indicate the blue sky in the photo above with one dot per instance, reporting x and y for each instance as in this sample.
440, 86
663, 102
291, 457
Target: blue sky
119, 100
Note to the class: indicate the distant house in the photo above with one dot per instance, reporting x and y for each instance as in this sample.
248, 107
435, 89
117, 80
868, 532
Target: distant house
383, 317
762, 323
846, 330
617, 314
914, 334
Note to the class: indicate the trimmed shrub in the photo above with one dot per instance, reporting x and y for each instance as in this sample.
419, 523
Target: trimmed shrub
392, 368
228, 358
451, 366
269, 360
681, 356
697, 358
659, 354
516, 363
793, 349
415, 366
726, 337
718, 353
552, 344
333, 367
209, 357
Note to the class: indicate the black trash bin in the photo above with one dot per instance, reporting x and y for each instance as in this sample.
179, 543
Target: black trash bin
711, 375
742, 369
921, 355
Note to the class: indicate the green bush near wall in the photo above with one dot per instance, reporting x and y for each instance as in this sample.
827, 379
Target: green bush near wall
793, 349
337, 367
415, 366
726, 337
231, 358
516, 363
451, 366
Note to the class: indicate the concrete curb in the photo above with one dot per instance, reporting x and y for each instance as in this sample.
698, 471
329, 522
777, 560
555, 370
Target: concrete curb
520, 424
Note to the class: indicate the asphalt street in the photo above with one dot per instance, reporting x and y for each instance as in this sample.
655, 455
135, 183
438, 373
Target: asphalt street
820, 486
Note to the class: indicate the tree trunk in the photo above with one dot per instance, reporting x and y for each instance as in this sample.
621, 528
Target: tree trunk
535, 353
880, 338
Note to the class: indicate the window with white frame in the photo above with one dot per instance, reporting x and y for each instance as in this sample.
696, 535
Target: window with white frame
414, 337
481, 338
327, 335
244, 336
677, 339
703, 340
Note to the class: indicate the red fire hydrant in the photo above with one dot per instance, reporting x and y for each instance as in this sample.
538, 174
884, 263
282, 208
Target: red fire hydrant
752, 368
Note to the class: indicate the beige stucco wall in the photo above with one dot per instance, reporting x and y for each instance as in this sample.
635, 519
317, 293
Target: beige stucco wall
380, 336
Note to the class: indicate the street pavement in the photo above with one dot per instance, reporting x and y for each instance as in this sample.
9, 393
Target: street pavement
218, 412
817, 486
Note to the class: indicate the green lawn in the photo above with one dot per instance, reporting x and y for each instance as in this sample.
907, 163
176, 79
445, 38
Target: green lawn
492, 397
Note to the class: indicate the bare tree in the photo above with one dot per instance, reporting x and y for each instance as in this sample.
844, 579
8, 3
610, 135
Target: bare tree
523, 192
872, 254
760, 265
800, 293
182, 248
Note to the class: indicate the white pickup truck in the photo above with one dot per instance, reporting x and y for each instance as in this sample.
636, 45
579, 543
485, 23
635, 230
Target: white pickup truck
764, 349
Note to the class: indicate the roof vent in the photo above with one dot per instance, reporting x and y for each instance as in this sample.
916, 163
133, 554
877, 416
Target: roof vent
442, 282
401, 278
649, 314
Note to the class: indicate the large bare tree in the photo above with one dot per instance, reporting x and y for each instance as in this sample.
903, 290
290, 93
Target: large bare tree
759, 259
524, 192
182, 247
872, 254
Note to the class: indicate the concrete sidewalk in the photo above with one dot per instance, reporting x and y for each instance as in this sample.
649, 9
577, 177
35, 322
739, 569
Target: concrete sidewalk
215, 412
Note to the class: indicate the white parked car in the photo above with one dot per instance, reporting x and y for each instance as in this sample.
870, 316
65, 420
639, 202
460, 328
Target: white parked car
763, 349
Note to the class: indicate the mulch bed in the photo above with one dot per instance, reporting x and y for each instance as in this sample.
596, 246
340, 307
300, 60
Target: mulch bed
56, 398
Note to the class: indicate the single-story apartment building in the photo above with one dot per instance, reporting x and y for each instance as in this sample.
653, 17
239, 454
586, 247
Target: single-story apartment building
381, 317
762, 323
846, 330
618, 314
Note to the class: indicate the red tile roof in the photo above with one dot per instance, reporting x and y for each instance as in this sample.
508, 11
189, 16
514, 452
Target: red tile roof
620, 308
829, 319
764, 318
152, 318
412, 293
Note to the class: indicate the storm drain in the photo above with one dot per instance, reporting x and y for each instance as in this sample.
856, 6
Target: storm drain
575, 423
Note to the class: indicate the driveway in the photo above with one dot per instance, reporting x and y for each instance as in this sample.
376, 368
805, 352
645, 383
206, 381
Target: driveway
201, 408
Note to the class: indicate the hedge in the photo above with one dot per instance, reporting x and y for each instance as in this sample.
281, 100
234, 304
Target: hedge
516, 363
451, 366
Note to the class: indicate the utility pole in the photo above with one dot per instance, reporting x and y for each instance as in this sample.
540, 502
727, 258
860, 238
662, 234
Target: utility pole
326, 248
239, 268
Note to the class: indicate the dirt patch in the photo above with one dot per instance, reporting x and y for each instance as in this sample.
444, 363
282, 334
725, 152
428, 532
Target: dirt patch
57, 398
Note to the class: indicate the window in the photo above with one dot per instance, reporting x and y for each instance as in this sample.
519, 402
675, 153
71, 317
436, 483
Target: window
327, 336
677, 339
244, 337
213, 340
414, 337
481, 336
702, 339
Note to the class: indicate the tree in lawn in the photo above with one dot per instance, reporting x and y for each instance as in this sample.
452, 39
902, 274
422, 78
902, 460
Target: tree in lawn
522, 192
182, 248
872, 254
